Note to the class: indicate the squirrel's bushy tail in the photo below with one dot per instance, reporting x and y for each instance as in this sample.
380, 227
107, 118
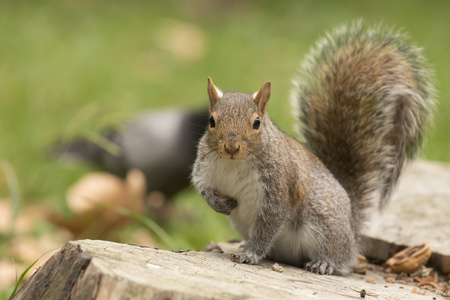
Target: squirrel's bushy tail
364, 99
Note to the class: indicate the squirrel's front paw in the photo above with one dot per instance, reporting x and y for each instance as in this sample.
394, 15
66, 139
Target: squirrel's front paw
244, 258
221, 204
319, 267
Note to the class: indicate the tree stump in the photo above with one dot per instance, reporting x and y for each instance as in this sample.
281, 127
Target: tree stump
89, 269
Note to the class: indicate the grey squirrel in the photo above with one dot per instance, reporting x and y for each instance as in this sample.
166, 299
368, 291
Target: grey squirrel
160, 143
364, 98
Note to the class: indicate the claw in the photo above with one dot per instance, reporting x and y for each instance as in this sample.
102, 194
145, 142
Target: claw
243, 258
319, 267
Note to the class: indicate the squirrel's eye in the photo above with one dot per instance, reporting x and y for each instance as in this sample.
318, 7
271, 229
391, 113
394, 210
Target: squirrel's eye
256, 123
212, 122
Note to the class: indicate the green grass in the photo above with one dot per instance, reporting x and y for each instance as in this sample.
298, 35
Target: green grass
19, 280
70, 68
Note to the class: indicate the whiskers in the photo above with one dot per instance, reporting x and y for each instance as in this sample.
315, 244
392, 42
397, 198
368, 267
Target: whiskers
205, 151
212, 151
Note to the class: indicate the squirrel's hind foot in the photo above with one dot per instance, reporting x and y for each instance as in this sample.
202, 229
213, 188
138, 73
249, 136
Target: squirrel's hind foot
319, 267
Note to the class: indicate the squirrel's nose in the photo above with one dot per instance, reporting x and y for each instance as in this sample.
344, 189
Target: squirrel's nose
232, 149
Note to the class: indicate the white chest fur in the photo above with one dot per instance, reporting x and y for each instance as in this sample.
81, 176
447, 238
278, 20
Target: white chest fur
239, 180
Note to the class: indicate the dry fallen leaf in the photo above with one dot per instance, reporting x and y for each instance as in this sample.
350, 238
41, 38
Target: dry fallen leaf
94, 198
84, 196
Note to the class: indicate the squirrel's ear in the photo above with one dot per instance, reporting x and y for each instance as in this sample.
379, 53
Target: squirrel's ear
214, 93
262, 97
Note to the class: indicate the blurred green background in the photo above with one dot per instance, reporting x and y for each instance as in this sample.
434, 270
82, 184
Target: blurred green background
67, 67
